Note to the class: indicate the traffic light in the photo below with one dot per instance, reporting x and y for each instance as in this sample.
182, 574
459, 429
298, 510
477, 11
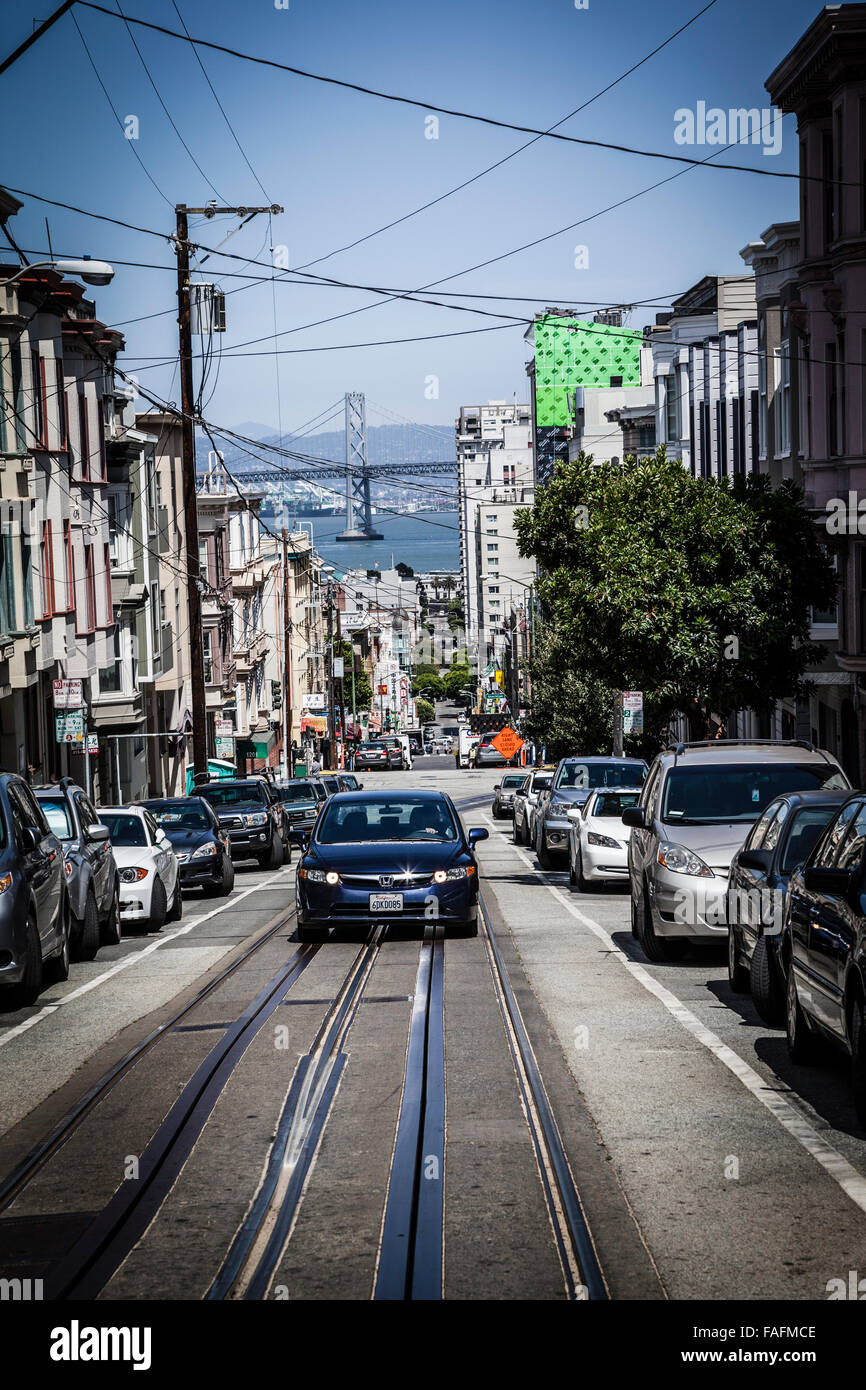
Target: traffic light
276, 695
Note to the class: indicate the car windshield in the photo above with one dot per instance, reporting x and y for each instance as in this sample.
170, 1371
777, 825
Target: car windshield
234, 794
806, 825
364, 746
179, 815
541, 780
583, 775
58, 817
297, 791
514, 780
735, 794
614, 803
127, 832
387, 818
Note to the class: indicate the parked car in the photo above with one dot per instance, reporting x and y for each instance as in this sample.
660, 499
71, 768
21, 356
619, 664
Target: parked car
398, 756
301, 799
572, 783
487, 755
780, 840
149, 872
598, 839
200, 844
252, 813
377, 856
504, 793
372, 756
92, 881
350, 782
824, 947
697, 804
34, 908
525, 802
332, 783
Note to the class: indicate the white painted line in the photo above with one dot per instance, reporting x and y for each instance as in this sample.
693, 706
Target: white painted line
852, 1183
132, 958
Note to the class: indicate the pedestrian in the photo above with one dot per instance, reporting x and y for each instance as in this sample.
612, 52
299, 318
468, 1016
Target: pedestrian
316, 765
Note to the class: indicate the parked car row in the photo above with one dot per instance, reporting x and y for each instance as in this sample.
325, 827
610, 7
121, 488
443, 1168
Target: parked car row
73, 874
757, 845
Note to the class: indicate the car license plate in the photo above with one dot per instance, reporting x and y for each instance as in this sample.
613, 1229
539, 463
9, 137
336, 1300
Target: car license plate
386, 902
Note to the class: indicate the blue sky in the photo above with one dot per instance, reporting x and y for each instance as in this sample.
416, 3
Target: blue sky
342, 164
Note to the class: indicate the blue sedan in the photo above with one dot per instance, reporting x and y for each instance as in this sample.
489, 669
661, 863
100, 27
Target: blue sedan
378, 857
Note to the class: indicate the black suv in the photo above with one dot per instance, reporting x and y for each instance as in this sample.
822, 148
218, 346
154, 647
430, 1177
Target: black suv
92, 881
250, 810
34, 909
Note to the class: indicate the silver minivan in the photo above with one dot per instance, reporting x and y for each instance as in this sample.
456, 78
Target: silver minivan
695, 810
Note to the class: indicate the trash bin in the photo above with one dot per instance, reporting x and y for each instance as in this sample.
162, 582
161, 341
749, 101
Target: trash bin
300, 770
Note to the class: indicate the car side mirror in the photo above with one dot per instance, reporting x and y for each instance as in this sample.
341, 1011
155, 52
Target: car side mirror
301, 838
755, 859
30, 838
97, 832
832, 881
478, 833
634, 816
360, 786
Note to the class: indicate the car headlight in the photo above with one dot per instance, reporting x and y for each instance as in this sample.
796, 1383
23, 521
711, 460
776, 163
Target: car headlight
560, 804
257, 818
204, 851
682, 861
604, 840
5, 882
449, 875
133, 875
319, 875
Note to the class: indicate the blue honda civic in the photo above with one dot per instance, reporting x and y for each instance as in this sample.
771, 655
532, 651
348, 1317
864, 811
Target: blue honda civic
384, 857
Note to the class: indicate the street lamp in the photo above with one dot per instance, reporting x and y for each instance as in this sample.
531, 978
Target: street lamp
90, 271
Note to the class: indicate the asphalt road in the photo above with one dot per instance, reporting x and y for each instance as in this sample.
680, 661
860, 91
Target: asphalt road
706, 1166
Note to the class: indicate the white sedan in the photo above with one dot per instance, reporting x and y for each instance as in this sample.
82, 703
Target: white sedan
597, 838
147, 865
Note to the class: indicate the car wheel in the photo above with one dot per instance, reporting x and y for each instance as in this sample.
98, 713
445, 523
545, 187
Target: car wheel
542, 851
804, 1047
580, 883
274, 859
175, 912
516, 836
228, 878
858, 1061
158, 906
28, 991
657, 948
738, 975
87, 942
312, 933
57, 968
572, 881
111, 925
767, 992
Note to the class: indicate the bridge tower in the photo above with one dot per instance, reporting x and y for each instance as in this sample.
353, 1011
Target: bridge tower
359, 522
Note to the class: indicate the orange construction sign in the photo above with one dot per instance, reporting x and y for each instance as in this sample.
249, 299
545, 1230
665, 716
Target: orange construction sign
508, 742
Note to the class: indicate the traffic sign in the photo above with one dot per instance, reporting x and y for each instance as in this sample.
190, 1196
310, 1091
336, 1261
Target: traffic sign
92, 745
224, 728
68, 694
70, 727
507, 742
632, 711
225, 748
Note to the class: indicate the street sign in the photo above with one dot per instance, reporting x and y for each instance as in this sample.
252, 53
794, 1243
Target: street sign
632, 712
315, 701
383, 690
70, 727
92, 745
339, 667
68, 694
224, 728
225, 748
507, 742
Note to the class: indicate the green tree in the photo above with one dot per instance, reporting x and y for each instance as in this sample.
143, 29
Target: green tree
363, 688
426, 712
426, 681
459, 676
695, 591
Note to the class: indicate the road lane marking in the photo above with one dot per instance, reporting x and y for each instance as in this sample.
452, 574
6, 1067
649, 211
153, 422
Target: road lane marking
852, 1183
48, 1009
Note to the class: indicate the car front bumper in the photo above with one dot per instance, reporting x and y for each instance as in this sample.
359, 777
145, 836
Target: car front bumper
601, 863
250, 843
320, 904
195, 872
135, 899
683, 906
555, 830
13, 941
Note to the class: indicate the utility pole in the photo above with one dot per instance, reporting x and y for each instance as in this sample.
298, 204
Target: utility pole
332, 737
287, 661
617, 724
342, 688
190, 512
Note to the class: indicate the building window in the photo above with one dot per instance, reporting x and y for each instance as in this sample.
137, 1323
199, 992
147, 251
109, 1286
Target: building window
111, 677
762, 390
83, 437
829, 199
150, 494
27, 580
101, 460
7, 585
782, 399
40, 416
492, 546
109, 603
62, 408
805, 402
69, 558
46, 570
722, 434
672, 409
207, 647
832, 371
154, 614
89, 589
